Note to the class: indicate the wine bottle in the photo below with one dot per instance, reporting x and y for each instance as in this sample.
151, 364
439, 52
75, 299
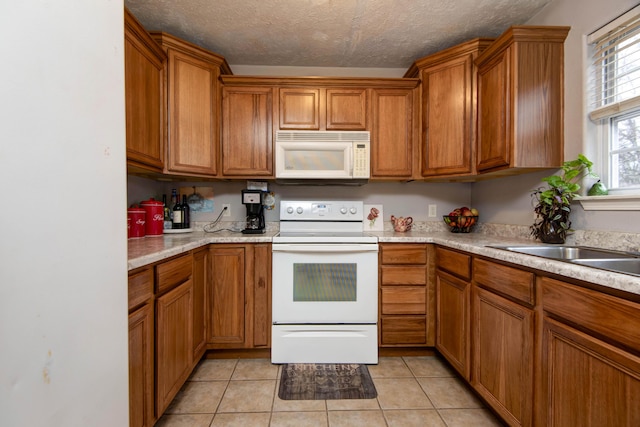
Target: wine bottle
166, 213
174, 201
177, 216
186, 213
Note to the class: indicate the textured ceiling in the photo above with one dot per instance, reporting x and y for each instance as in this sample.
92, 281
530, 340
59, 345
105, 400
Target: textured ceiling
331, 33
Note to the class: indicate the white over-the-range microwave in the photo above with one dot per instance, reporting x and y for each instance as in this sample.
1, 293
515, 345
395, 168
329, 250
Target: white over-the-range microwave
329, 155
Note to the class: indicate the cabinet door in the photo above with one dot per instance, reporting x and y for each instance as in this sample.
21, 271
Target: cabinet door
247, 139
452, 313
587, 382
503, 335
174, 342
392, 133
261, 297
193, 115
346, 109
144, 97
300, 108
200, 284
494, 113
226, 297
141, 397
448, 116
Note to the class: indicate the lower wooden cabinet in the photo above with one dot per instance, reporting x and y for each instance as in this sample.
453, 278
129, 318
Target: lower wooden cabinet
216, 297
226, 296
586, 381
590, 375
538, 350
405, 298
174, 340
200, 284
239, 296
502, 355
453, 305
453, 310
141, 349
503, 336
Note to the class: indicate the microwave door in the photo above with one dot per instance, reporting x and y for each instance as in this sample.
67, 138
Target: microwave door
314, 160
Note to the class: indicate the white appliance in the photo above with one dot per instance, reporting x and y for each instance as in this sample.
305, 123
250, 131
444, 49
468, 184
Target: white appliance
325, 285
322, 155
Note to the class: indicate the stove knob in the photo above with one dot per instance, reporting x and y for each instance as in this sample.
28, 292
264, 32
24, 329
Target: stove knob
353, 211
343, 211
289, 210
299, 210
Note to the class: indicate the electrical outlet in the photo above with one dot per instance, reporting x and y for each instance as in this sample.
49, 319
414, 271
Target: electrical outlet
228, 211
433, 211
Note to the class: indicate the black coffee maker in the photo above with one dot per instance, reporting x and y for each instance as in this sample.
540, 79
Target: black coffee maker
253, 200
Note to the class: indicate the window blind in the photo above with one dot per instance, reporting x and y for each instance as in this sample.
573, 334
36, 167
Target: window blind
615, 68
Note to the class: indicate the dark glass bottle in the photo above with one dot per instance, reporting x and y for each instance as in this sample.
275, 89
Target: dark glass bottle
166, 213
174, 201
186, 213
177, 216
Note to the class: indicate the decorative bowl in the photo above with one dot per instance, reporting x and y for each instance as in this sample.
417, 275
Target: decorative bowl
460, 224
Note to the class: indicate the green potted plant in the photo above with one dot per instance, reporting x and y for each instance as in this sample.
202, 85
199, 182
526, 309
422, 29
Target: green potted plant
553, 204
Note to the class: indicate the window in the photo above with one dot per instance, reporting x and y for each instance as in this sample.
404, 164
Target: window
615, 99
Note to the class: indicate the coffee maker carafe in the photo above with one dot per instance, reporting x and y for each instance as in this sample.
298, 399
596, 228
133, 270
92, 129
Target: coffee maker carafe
253, 200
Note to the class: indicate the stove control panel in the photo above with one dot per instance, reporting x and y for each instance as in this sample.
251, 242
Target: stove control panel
321, 210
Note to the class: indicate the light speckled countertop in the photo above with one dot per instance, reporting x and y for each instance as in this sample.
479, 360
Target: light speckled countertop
152, 249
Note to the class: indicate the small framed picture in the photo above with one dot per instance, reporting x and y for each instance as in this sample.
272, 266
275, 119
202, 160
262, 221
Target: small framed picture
373, 218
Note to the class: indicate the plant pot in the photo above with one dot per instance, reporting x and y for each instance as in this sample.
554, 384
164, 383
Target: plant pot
552, 232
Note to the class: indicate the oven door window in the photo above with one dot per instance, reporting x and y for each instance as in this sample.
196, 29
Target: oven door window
324, 282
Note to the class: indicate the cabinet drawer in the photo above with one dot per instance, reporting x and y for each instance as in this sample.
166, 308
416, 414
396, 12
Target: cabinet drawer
506, 280
172, 273
403, 275
404, 300
613, 319
403, 254
454, 262
140, 288
403, 330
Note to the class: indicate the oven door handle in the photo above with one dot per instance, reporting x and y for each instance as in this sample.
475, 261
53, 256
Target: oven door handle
337, 248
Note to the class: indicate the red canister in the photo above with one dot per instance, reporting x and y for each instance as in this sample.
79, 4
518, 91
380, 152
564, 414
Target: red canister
136, 217
155, 217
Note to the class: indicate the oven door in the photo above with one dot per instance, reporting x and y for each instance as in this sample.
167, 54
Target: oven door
325, 283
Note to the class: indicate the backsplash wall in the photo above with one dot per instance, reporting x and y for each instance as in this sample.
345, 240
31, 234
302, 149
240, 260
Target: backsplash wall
399, 199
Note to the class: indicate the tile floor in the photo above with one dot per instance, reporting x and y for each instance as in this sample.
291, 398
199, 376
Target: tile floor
412, 391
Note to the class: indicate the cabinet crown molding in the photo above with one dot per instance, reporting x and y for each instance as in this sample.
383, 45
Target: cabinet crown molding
472, 46
524, 33
172, 42
322, 82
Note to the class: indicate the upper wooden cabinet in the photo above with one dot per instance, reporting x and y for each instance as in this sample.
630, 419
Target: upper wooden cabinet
520, 101
192, 79
144, 98
323, 109
392, 133
247, 136
449, 88
299, 108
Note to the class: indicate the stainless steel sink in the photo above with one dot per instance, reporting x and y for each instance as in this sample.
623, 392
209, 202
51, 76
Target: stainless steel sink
627, 265
604, 259
567, 253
